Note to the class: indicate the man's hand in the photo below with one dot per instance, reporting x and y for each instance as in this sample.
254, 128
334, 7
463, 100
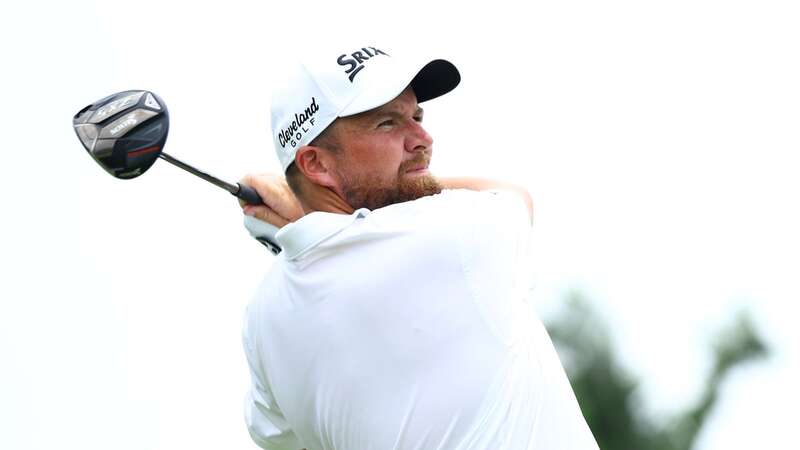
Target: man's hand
280, 205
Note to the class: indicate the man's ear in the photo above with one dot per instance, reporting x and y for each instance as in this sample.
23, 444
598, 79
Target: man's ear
316, 164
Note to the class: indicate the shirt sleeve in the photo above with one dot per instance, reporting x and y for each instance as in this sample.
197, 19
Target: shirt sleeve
494, 245
497, 235
490, 228
488, 215
265, 422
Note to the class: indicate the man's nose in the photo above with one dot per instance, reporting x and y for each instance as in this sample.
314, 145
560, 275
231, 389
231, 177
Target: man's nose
418, 139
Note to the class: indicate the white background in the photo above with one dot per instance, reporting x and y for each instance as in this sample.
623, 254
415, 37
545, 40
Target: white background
659, 140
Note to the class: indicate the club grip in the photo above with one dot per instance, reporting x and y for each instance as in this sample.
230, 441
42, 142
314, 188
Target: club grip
248, 194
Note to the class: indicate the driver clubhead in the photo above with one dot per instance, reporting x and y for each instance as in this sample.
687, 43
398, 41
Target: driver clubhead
124, 132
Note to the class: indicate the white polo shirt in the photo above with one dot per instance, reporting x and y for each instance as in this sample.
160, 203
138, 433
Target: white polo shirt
407, 328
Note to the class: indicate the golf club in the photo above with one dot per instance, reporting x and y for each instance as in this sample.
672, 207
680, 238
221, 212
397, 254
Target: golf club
125, 133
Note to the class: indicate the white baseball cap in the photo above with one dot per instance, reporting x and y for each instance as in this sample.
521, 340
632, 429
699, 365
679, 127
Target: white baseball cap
340, 84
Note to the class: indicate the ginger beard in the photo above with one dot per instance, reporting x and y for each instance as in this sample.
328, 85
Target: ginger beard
367, 190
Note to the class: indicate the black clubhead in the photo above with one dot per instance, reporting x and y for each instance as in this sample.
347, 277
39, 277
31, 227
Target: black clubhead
124, 132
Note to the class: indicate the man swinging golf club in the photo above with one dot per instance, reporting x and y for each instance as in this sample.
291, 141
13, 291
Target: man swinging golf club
398, 315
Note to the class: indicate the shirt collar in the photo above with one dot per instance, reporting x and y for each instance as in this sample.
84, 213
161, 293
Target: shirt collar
312, 229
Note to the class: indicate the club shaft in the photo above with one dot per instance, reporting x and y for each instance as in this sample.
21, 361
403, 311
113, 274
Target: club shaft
232, 188
243, 192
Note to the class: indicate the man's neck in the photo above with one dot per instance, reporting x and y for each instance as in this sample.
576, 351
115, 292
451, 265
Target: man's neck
325, 200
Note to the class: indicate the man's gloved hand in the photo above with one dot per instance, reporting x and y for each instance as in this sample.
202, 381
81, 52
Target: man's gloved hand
280, 208
280, 205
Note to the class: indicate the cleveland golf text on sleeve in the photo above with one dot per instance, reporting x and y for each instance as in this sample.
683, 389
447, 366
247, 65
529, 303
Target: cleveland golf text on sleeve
407, 327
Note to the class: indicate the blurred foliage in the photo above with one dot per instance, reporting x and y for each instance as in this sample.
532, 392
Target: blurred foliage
607, 392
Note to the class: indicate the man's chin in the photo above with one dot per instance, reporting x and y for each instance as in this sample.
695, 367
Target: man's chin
418, 185
408, 188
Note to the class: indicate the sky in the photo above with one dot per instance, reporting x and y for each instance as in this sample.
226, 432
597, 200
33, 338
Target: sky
659, 141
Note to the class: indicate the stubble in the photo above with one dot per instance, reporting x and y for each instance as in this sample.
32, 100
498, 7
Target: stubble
369, 191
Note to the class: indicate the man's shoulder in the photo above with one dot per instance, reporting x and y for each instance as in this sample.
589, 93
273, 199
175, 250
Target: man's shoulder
426, 223
447, 197
451, 204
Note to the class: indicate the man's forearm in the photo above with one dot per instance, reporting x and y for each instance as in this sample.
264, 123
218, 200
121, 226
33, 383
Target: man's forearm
483, 184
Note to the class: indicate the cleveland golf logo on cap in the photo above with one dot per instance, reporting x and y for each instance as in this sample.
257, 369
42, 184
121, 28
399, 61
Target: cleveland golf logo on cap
302, 122
355, 60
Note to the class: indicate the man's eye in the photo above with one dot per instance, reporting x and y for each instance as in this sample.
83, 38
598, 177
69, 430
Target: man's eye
386, 123
418, 119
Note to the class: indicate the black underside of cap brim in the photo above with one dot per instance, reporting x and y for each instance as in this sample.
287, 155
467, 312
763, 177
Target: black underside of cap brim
437, 78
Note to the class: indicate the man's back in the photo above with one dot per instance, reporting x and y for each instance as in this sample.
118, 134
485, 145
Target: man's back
407, 327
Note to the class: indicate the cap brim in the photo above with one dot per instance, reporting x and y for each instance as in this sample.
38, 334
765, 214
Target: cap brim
434, 79
437, 78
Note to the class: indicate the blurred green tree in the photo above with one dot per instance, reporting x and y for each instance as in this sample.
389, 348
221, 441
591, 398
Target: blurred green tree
606, 391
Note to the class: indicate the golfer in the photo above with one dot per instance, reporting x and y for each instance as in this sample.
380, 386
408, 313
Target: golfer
398, 315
